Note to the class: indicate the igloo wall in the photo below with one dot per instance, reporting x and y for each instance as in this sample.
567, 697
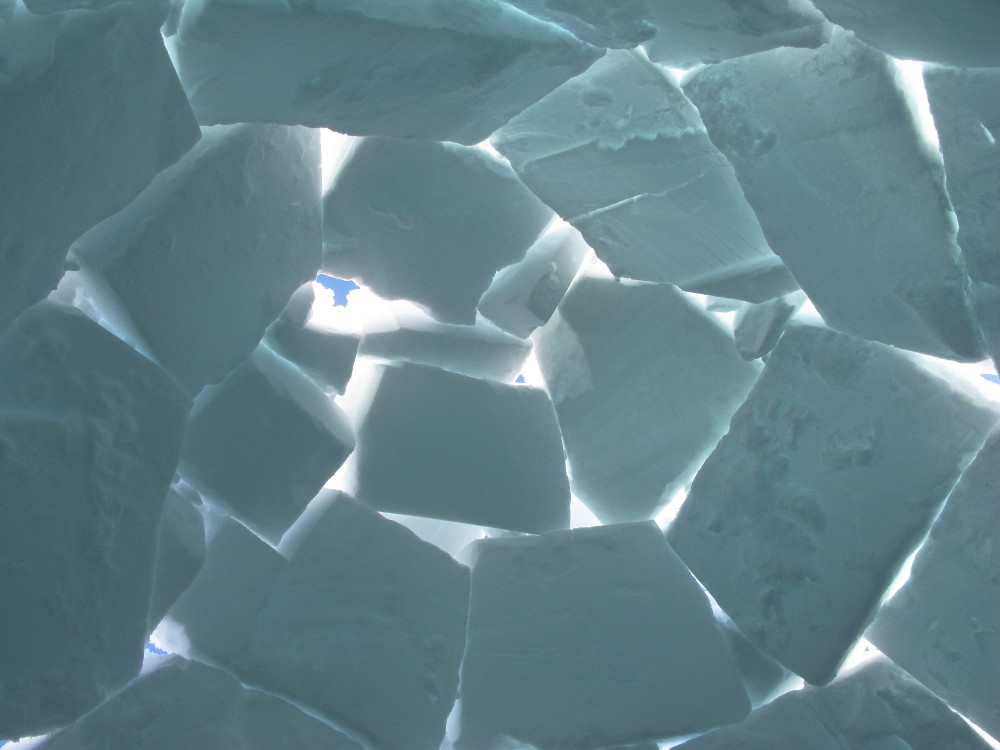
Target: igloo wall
499, 374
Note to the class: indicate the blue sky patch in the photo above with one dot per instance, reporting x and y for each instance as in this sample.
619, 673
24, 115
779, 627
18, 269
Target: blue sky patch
340, 288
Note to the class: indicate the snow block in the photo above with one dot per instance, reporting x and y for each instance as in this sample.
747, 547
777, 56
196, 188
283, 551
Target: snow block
966, 109
707, 31
90, 433
183, 703
589, 638
644, 382
757, 328
79, 94
603, 23
325, 355
211, 251
878, 707
830, 475
462, 449
452, 72
180, 553
963, 33
364, 626
829, 156
524, 295
621, 154
942, 626
479, 351
263, 442
428, 222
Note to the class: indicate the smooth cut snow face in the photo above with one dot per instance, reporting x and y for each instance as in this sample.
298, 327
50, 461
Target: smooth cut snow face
636, 418
464, 450
589, 638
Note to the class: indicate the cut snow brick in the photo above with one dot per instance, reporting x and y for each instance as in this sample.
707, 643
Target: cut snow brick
878, 707
90, 433
180, 553
190, 705
644, 382
445, 72
692, 32
80, 92
963, 33
263, 442
479, 351
943, 626
830, 475
829, 156
363, 627
966, 109
211, 251
428, 222
523, 296
621, 154
591, 637
462, 449
757, 328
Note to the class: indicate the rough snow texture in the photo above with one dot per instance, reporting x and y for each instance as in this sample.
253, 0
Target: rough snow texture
479, 351
364, 626
90, 432
462, 449
180, 553
966, 109
878, 707
447, 72
589, 638
828, 154
79, 91
829, 476
942, 626
963, 33
190, 705
56, 6
603, 23
690, 32
621, 154
523, 296
211, 251
757, 328
428, 222
263, 442
644, 382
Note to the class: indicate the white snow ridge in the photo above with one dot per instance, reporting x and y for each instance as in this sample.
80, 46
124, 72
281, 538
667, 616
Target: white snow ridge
499, 374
